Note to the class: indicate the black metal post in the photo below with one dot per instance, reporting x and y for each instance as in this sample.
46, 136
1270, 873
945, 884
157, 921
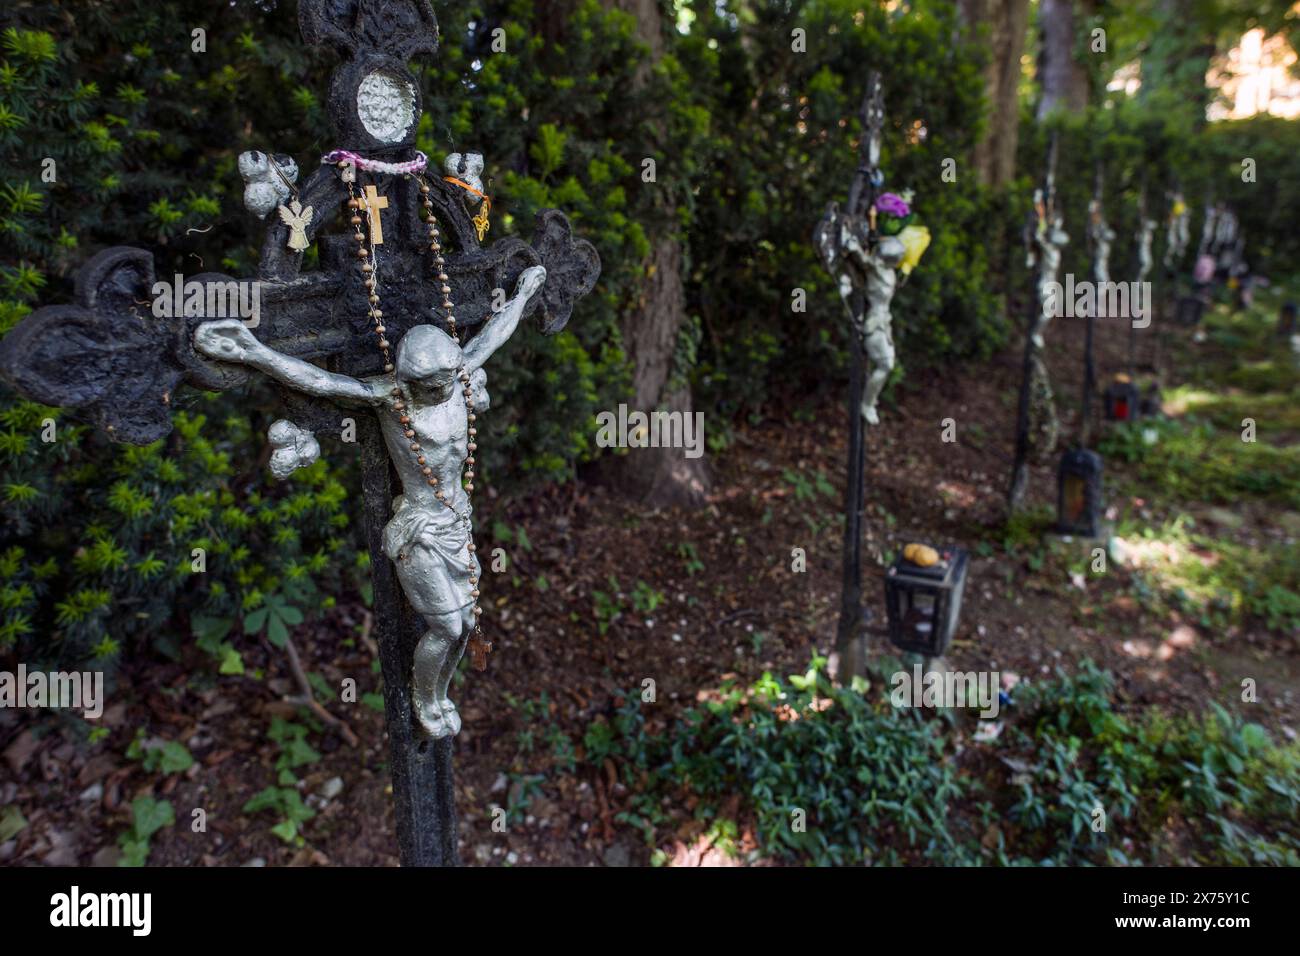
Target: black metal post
1096, 226
850, 635
1132, 327
1020, 463
1089, 379
851, 619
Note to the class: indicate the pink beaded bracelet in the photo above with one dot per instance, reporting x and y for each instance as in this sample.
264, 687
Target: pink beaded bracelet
416, 165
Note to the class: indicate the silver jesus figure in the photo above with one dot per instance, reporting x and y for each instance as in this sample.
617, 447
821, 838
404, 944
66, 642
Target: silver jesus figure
879, 280
1146, 234
1050, 239
1102, 238
430, 543
857, 263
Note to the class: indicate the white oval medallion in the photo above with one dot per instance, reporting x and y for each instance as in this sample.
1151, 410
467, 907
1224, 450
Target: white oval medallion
386, 105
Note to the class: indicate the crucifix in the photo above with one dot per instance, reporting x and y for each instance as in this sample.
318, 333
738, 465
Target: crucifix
1036, 421
393, 336
1146, 233
1177, 236
863, 263
1100, 239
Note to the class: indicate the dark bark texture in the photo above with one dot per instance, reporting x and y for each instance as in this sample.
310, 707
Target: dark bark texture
662, 477
1003, 24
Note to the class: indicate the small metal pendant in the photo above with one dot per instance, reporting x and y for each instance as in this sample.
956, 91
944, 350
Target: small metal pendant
479, 649
297, 219
481, 220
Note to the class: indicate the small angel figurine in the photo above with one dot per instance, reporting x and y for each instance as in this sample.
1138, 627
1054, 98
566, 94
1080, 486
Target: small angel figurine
297, 219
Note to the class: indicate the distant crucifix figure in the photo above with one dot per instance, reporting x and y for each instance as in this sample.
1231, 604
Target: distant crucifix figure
1037, 425
430, 544
863, 262
869, 266
1050, 238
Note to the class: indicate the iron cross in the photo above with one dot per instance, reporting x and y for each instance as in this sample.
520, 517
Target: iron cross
116, 365
858, 216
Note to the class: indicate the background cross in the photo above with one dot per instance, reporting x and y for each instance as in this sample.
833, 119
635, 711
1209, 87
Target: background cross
108, 359
855, 617
1041, 217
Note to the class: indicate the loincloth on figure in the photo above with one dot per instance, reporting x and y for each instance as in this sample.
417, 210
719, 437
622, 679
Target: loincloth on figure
878, 332
430, 547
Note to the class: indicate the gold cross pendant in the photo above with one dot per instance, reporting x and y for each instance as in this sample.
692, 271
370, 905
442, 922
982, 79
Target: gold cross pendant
374, 203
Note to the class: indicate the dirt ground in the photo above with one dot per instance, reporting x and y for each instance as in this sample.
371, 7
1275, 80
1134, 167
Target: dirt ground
705, 595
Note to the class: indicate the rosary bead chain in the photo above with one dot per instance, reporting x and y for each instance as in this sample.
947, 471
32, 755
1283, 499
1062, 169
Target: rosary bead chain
356, 204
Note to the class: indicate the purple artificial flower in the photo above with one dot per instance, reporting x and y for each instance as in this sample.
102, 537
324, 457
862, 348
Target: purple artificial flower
892, 205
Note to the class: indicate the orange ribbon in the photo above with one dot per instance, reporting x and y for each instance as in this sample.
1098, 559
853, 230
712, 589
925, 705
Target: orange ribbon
464, 185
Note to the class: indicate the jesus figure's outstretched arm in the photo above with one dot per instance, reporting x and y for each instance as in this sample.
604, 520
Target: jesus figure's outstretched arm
229, 340
502, 325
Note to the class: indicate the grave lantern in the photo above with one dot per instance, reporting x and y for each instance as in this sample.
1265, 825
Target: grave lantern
1123, 400
923, 590
1078, 509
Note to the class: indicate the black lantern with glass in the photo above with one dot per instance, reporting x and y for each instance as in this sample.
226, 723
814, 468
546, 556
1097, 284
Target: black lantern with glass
1123, 401
1079, 493
923, 590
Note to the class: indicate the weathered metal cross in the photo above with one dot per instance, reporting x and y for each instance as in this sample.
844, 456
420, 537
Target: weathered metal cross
1044, 238
118, 366
828, 239
1100, 237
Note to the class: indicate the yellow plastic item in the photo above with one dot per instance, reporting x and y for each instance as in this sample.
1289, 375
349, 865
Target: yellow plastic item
915, 240
921, 555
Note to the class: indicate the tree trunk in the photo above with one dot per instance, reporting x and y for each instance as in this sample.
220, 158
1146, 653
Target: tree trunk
1005, 22
661, 477
1063, 79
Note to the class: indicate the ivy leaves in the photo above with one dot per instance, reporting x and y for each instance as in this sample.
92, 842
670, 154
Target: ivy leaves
277, 615
148, 816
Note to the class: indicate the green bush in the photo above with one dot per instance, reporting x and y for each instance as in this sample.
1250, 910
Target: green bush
784, 145
842, 783
111, 546
1236, 792
1139, 147
882, 785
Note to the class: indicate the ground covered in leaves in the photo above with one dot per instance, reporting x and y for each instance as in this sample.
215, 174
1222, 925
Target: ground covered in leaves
604, 603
